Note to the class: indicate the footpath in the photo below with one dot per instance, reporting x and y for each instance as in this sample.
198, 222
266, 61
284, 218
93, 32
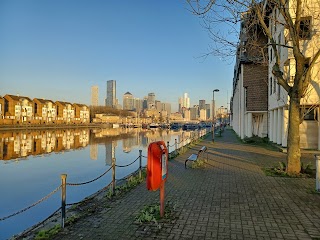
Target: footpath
229, 198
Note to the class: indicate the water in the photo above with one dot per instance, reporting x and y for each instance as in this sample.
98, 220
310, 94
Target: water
31, 163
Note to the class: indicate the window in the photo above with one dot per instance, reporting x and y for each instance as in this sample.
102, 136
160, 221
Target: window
270, 84
309, 114
305, 28
274, 85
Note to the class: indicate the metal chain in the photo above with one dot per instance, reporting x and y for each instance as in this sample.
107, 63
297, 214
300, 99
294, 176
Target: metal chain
89, 198
83, 183
23, 234
34, 204
127, 164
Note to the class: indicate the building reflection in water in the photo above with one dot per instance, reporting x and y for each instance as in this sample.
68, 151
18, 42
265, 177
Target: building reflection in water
21, 144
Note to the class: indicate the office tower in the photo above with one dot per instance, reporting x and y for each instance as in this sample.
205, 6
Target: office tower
167, 107
111, 100
128, 101
158, 105
137, 105
151, 101
194, 113
208, 109
186, 100
203, 114
202, 104
94, 96
145, 103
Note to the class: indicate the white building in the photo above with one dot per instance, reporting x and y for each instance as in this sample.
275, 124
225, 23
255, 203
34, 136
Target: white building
278, 97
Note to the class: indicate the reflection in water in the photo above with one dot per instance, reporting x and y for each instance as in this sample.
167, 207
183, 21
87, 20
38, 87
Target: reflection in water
26, 179
21, 144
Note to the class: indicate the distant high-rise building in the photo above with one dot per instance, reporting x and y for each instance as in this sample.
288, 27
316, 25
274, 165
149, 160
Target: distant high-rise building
184, 103
208, 109
186, 100
111, 99
194, 113
128, 101
94, 95
137, 105
202, 104
151, 101
203, 114
145, 103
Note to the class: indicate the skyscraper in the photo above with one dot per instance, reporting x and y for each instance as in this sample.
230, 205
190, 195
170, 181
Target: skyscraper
151, 101
128, 101
111, 94
184, 103
202, 104
94, 95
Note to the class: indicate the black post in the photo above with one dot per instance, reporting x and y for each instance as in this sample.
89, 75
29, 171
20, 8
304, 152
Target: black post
113, 175
140, 163
63, 198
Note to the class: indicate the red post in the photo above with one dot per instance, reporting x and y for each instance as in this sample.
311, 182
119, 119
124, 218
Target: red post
162, 199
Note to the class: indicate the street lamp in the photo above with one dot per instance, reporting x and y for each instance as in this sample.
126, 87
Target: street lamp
216, 90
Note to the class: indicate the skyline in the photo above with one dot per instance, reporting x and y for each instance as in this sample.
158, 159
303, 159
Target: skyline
58, 50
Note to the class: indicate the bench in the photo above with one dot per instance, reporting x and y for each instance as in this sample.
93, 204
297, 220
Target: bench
194, 157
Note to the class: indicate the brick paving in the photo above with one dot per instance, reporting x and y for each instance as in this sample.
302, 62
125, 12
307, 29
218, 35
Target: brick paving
230, 198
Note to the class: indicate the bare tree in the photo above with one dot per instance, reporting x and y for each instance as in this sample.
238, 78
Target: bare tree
298, 21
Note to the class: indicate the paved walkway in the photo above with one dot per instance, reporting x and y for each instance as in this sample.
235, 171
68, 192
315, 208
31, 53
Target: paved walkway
231, 198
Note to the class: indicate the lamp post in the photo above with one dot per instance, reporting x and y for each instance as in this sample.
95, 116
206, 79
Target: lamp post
215, 90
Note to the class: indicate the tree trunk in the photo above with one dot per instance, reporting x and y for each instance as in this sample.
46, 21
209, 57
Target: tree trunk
294, 154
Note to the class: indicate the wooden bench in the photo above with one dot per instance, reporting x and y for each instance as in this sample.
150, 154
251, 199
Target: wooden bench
194, 157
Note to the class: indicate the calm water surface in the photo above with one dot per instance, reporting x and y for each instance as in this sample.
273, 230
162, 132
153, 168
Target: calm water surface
31, 163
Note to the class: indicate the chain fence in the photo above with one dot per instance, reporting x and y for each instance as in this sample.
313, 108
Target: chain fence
32, 205
63, 187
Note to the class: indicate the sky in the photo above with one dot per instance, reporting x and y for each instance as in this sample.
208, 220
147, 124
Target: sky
57, 49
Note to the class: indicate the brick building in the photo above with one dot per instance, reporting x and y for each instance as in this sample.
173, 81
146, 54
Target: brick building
44, 110
249, 102
18, 109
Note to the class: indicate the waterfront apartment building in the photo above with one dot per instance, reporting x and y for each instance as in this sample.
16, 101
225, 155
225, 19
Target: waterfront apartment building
44, 110
18, 108
309, 42
65, 112
249, 102
22, 110
81, 113
111, 100
1, 107
94, 96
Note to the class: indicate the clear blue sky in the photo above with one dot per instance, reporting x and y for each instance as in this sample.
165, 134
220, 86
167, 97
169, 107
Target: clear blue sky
58, 49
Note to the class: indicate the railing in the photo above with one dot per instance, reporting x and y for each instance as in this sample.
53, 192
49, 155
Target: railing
178, 145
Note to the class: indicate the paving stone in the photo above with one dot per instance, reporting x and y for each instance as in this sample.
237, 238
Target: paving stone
230, 198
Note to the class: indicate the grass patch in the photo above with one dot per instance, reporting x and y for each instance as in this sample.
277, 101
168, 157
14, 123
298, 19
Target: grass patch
130, 183
200, 163
262, 142
48, 234
280, 171
313, 191
150, 214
